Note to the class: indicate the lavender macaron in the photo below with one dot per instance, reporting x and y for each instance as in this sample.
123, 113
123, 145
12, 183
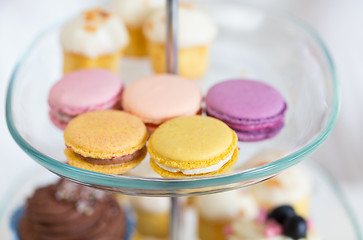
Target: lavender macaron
254, 110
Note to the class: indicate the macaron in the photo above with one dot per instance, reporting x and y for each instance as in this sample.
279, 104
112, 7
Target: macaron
83, 91
158, 98
253, 109
192, 146
107, 141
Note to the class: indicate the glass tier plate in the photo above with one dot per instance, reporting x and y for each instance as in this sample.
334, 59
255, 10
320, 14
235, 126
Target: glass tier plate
327, 200
252, 42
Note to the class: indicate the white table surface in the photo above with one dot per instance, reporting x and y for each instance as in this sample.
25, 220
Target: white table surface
338, 22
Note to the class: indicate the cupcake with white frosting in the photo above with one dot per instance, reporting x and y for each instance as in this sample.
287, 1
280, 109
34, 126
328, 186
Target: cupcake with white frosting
152, 216
216, 211
196, 32
134, 13
93, 39
152, 213
291, 187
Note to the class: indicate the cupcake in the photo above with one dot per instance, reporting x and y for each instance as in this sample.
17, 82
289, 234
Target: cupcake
152, 216
282, 223
94, 39
196, 33
66, 210
134, 13
291, 187
217, 211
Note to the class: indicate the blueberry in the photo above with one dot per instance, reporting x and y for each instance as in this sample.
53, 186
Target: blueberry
280, 214
295, 227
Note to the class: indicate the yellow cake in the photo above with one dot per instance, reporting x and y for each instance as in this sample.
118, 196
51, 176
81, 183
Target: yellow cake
94, 39
134, 13
152, 215
196, 33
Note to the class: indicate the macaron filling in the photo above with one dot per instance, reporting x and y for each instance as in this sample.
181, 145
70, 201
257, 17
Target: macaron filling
114, 160
66, 115
256, 130
195, 171
61, 117
245, 124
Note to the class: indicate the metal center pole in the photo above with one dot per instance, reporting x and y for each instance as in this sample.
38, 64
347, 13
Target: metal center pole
171, 47
175, 222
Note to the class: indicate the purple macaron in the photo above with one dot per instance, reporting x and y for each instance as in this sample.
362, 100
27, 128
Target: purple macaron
254, 110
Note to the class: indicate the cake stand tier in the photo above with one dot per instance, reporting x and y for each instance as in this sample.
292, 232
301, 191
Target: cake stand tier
252, 42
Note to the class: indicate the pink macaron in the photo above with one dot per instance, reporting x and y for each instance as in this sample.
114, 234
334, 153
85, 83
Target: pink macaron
253, 109
83, 91
161, 97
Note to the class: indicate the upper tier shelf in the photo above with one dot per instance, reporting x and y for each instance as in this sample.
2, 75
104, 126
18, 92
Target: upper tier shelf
252, 43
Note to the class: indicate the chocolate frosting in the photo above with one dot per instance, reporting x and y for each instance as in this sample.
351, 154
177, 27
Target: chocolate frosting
68, 211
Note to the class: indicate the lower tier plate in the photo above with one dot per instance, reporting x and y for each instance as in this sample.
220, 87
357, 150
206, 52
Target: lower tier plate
327, 201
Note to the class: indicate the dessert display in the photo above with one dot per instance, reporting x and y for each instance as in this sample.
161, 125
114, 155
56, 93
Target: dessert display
217, 211
281, 223
82, 91
253, 109
196, 34
67, 210
161, 118
107, 141
94, 39
134, 13
152, 216
291, 187
158, 98
192, 146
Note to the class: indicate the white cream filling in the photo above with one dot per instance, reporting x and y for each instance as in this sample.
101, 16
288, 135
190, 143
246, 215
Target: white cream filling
195, 171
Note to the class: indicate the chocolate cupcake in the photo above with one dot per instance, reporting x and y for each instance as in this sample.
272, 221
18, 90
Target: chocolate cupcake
68, 211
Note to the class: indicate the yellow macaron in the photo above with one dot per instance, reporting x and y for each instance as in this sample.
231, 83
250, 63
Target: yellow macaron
193, 146
105, 141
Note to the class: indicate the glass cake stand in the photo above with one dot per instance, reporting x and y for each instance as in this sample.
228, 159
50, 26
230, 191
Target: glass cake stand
253, 42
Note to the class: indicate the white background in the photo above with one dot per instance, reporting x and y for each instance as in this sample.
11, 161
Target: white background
340, 23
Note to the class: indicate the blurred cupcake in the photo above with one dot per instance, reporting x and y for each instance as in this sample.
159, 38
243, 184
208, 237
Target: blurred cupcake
152, 216
152, 213
196, 33
292, 187
94, 39
134, 13
66, 210
282, 223
216, 211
